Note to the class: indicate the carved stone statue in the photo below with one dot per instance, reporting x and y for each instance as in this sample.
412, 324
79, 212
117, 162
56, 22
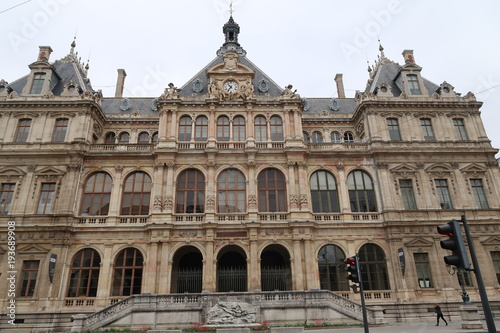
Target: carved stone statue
288, 93
231, 313
171, 92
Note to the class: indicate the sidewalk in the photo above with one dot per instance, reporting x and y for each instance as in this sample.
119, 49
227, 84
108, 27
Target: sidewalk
455, 326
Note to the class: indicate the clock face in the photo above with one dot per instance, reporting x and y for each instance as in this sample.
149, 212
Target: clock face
230, 86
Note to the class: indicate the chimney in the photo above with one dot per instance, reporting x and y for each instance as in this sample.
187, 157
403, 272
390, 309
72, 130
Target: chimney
408, 56
120, 83
340, 85
44, 53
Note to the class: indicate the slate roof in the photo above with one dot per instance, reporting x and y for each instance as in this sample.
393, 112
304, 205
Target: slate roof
120, 106
273, 89
66, 70
387, 72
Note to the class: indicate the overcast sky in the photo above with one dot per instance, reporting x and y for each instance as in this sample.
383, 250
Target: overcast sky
304, 43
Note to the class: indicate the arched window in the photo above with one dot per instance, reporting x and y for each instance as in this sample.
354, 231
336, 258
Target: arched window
276, 125
127, 275
154, 138
348, 137
84, 274
124, 138
374, 273
239, 129
201, 129
185, 128
110, 138
306, 137
60, 129
190, 192
96, 195
223, 128
324, 195
260, 124
272, 191
335, 137
143, 138
136, 194
361, 192
317, 137
332, 269
231, 192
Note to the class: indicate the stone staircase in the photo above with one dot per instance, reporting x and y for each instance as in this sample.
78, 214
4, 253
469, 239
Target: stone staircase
226, 310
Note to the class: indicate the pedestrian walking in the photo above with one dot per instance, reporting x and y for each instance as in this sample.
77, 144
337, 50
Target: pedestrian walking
439, 314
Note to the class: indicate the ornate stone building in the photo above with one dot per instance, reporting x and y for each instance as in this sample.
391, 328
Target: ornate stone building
235, 185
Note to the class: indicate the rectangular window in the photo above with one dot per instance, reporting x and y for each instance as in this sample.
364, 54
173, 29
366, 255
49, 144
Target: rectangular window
460, 129
495, 257
393, 127
406, 187
60, 129
466, 277
443, 193
38, 81
23, 129
6, 194
423, 270
413, 84
479, 195
28, 278
46, 198
427, 129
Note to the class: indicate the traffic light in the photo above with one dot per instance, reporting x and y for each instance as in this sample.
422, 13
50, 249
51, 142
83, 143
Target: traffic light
352, 269
455, 243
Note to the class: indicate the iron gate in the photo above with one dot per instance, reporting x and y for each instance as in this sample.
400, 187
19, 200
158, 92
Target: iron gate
276, 278
187, 280
231, 279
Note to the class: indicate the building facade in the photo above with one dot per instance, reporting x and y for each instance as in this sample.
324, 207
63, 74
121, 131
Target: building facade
232, 183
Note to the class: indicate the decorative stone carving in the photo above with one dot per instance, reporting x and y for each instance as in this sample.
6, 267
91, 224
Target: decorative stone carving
288, 93
169, 202
210, 204
118, 168
224, 313
171, 92
303, 201
158, 204
252, 201
294, 201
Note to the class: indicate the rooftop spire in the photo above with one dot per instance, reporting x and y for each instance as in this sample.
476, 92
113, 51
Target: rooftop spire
231, 31
381, 49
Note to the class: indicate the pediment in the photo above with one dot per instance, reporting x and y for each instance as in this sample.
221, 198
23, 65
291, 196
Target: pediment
50, 171
11, 172
230, 65
473, 169
419, 242
32, 249
438, 168
404, 168
491, 241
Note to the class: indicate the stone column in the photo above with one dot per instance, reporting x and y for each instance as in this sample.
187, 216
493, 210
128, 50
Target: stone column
164, 275
116, 190
163, 134
296, 122
169, 188
312, 279
254, 262
105, 276
149, 282
173, 124
289, 132
209, 263
293, 197
296, 262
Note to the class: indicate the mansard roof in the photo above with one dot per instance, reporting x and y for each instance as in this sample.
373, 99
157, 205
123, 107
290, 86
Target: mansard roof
388, 72
67, 70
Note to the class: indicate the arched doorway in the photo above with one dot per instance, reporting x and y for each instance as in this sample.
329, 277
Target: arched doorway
231, 270
187, 271
373, 267
275, 271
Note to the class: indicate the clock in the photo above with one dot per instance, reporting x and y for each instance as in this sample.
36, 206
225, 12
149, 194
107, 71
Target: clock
231, 86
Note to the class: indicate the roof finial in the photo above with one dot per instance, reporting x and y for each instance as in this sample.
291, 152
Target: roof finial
381, 49
231, 8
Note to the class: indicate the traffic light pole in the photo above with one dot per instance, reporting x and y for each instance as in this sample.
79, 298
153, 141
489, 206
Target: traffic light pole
480, 284
362, 294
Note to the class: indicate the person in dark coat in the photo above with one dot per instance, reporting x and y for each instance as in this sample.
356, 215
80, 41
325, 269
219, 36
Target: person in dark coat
439, 314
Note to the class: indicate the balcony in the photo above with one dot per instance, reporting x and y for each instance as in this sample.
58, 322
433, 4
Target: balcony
340, 146
116, 148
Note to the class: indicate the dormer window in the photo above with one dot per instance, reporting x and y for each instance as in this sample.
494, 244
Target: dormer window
38, 81
413, 84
